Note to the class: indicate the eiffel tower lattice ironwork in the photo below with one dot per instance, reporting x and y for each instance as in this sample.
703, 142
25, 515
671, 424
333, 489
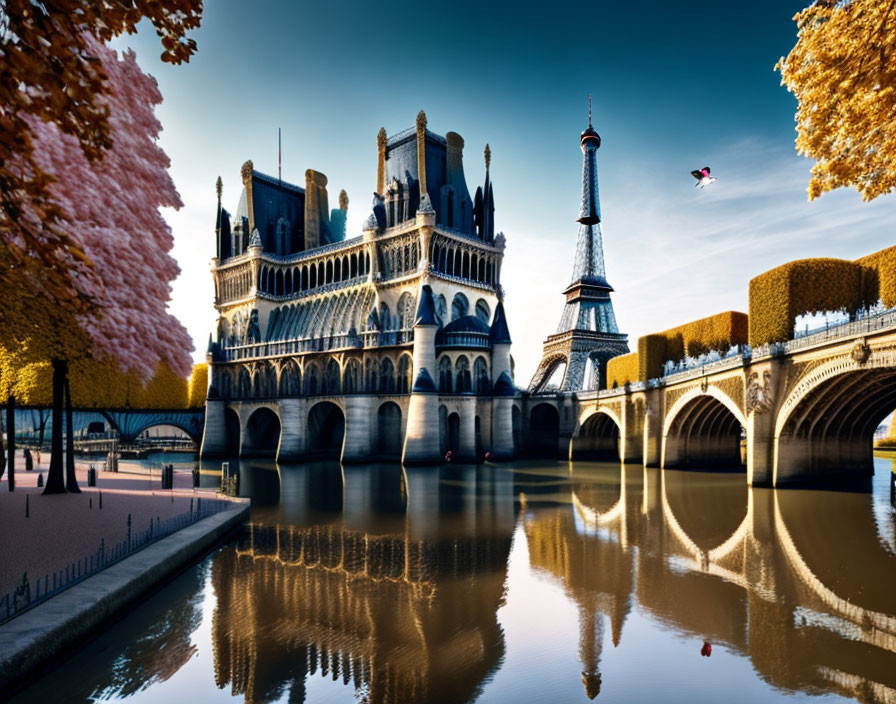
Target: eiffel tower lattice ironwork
587, 336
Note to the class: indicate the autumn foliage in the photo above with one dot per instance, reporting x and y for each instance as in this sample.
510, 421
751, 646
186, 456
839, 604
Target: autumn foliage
717, 332
842, 72
622, 370
779, 296
96, 384
198, 385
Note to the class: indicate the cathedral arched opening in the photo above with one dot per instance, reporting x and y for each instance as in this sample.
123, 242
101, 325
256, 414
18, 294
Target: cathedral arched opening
705, 434
830, 433
452, 432
516, 422
262, 434
389, 431
544, 430
597, 439
326, 430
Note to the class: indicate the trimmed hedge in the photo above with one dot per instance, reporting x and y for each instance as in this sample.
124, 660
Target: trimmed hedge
779, 296
717, 332
622, 370
880, 281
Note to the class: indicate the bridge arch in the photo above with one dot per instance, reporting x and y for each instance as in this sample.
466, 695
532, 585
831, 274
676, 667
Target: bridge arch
825, 426
703, 429
261, 434
389, 434
598, 436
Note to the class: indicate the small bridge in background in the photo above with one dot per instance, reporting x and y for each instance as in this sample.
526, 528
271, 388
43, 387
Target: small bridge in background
127, 422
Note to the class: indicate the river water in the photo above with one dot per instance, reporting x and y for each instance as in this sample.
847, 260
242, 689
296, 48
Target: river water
532, 582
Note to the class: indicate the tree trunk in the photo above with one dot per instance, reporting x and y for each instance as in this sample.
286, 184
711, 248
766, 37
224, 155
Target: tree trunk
56, 476
11, 440
71, 481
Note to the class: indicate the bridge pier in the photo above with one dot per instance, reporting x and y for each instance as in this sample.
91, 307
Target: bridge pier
214, 436
760, 448
502, 430
654, 414
357, 446
631, 442
293, 428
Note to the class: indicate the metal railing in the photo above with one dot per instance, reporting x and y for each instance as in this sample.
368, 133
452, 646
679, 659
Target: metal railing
29, 594
349, 340
865, 324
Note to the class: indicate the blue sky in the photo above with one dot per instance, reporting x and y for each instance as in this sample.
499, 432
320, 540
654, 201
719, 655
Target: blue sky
676, 86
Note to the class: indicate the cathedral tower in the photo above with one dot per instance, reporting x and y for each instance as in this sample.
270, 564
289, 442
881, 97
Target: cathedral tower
587, 335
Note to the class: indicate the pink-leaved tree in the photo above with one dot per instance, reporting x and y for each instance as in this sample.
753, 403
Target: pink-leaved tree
113, 205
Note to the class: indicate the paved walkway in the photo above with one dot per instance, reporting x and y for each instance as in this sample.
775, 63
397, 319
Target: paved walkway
61, 529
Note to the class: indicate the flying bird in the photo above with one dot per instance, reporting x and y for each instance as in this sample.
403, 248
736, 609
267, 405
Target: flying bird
703, 177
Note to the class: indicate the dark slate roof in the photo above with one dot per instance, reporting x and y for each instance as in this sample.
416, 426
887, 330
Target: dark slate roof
271, 200
504, 385
468, 323
426, 308
424, 382
499, 333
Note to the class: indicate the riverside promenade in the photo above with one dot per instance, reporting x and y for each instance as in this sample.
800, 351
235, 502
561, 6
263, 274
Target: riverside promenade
61, 537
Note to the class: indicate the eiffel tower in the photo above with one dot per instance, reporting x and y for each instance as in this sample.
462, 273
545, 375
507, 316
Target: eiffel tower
587, 335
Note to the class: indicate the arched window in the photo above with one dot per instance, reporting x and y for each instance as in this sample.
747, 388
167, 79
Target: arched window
387, 377
351, 379
480, 374
386, 319
442, 309
245, 390
371, 377
463, 379
483, 312
460, 306
445, 385
405, 311
331, 378
404, 374
282, 243
312, 380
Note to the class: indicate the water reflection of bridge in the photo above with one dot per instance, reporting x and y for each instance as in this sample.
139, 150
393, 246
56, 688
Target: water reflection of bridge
404, 610
768, 574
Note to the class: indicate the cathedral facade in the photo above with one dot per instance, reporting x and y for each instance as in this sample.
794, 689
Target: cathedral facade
392, 344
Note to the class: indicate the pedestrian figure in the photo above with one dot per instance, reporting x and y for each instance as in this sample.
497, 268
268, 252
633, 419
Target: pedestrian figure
706, 650
29, 461
448, 456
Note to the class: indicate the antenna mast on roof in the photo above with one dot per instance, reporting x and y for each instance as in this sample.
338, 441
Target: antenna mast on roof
589, 109
279, 157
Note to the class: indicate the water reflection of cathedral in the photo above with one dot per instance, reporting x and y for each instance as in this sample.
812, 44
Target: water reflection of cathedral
403, 610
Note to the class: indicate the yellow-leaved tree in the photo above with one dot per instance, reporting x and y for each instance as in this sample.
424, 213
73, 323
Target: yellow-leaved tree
842, 72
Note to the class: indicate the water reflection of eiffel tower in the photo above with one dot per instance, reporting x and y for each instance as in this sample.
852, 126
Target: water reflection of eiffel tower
596, 574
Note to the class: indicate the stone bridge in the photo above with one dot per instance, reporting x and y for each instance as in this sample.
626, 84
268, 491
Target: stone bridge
802, 410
